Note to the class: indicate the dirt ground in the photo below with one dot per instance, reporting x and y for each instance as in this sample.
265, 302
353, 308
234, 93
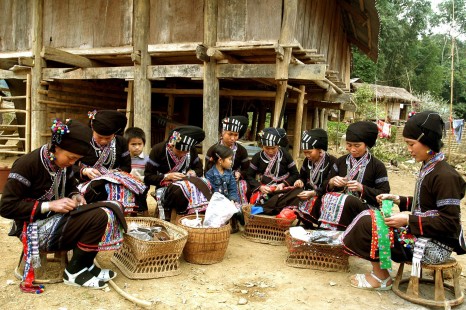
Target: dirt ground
251, 272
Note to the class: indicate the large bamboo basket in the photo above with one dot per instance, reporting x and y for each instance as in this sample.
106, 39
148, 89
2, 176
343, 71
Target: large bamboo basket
205, 246
264, 228
326, 257
140, 259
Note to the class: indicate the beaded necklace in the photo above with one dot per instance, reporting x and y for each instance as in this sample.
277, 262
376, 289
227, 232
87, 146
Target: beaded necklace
57, 175
106, 155
356, 167
273, 162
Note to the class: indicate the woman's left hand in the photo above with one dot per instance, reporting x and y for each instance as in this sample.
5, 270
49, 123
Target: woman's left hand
306, 195
191, 173
397, 220
79, 199
354, 186
280, 187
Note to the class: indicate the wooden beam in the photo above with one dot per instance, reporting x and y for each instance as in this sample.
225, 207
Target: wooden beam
201, 53
332, 106
267, 71
142, 85
54, 54
223, 92
186, 71
126, 73
211, 85
360, 17
7, 74
298, 123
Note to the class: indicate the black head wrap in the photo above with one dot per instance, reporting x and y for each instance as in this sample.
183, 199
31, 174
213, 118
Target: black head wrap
314, 139
185, 137
426, 127
271, 136
236, 123
71, 136
362, 132
107, 122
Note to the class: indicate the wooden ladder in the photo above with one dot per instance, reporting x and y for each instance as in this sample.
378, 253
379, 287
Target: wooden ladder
9, 134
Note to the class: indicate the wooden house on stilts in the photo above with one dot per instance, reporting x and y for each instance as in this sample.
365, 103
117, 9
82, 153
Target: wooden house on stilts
169, 62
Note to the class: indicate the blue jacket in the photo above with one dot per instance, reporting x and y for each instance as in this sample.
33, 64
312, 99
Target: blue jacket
224, 184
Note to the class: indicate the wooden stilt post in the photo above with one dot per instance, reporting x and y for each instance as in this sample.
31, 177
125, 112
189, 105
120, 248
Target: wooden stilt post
130, 105
142, 86
290, 11
253, 133
27, 131
210, 104
38, 111
298, 123
316, 118
305, 126
322, 119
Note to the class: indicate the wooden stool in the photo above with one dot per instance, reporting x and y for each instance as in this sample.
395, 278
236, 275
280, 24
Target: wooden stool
53, 265
412, 291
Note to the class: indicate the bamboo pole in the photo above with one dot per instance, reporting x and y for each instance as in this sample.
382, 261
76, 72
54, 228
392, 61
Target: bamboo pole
451, 82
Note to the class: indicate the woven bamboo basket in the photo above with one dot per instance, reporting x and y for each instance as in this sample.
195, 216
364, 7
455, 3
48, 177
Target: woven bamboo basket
205, 246
140, 259
264, 228
318, 256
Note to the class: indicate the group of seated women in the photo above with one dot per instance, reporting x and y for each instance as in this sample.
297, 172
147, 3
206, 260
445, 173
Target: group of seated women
51, 214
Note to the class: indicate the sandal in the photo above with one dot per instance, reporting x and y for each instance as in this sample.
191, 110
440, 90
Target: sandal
83, 278
363, 284
102, 274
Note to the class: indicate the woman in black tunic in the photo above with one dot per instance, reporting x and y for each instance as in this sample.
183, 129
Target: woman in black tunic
428, 227
42, 198
233, 128
314, 174
108, 164
272, 169
355, 180
176, 170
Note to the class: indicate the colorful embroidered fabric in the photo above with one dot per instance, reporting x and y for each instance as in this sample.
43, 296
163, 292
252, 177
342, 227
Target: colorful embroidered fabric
196, 199
113, 236
382, 239
242, 190
332, 209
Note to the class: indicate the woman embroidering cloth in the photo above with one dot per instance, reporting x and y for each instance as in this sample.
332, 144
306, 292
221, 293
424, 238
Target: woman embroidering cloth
106, 168
176, 170
428, 228
274, 169
314, 174
50, 214
233, 128
355, 180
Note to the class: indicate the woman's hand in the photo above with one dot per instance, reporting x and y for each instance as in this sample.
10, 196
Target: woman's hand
338, 181
298, 183
280, 187
79, 199
91, 173
304, 195
264, 189
63, 205
394, 198
191, 173
174, 176
397, 220
354, 186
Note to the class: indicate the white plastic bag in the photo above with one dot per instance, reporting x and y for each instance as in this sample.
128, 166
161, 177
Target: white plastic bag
219, 211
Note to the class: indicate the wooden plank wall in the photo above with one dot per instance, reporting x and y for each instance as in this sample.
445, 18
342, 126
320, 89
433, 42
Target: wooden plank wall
249, 20
88, 23
15, 30
320, 26
175, 21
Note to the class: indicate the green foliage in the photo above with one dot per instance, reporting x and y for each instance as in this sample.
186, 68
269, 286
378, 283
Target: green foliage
387, 151
367, 109
335, 130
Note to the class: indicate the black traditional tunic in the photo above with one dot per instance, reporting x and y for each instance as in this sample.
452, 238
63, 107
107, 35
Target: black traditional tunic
372, 175
283, 171
34, 180
118, 157
160, 163
437, 215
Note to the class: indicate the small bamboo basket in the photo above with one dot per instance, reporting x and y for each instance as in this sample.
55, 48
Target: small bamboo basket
264, 228
205, 246
140, 259
326, 257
